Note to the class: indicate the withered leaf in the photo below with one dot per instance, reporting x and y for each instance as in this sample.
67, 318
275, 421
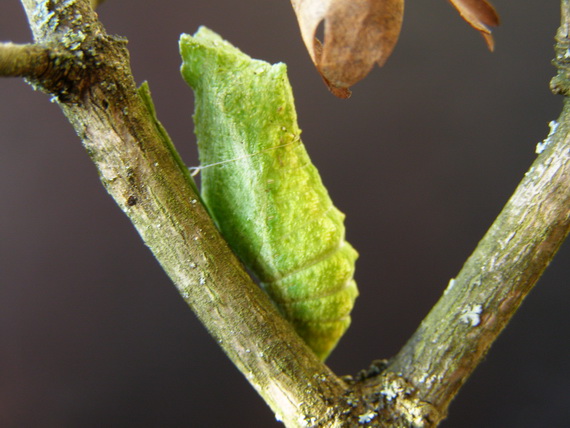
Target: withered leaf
360, 33
480, 15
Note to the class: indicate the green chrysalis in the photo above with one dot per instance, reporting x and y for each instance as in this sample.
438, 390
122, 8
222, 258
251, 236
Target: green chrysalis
263, 191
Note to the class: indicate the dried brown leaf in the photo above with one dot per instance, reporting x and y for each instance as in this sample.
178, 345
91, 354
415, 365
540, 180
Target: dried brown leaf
480, 15
358, 34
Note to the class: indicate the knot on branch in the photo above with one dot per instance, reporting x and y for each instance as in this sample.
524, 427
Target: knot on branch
378, 397
560, 84
71, 69
62, 77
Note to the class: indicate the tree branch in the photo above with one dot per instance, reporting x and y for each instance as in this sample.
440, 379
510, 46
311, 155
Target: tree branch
477, 304
140, 170
560, 84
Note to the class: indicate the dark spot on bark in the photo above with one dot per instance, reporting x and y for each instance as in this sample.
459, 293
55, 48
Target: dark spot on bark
132, 200
131, 176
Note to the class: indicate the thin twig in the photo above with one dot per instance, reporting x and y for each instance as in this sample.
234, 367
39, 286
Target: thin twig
23, 60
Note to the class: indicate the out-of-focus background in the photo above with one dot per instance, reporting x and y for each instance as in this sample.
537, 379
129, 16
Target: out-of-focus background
421, 160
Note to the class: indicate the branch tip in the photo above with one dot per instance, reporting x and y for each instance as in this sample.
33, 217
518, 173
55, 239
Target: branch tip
23, 60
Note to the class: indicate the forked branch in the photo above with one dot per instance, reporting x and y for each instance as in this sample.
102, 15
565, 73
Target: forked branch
141, 170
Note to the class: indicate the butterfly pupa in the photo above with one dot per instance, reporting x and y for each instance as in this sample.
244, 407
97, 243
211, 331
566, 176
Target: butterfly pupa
264, 193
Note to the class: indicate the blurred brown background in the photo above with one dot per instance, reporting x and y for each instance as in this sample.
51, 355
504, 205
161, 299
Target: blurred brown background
421, 159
